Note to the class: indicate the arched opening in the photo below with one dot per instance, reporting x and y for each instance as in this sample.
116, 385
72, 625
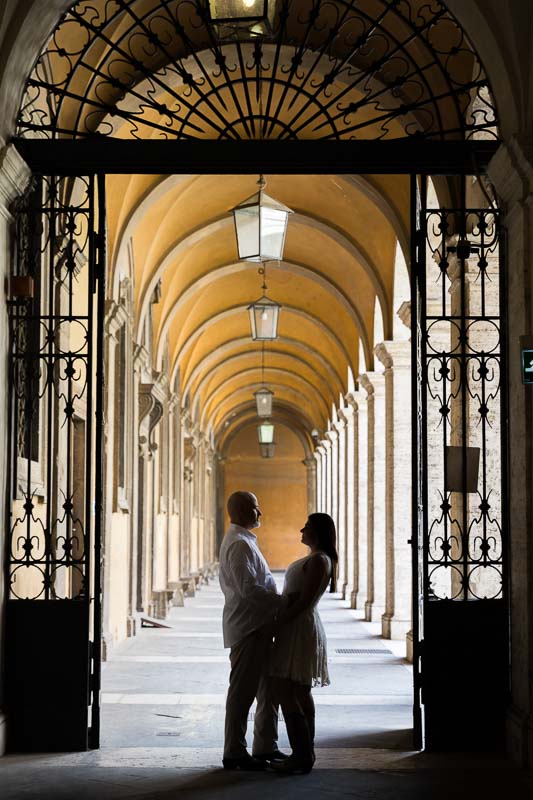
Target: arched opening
178, 345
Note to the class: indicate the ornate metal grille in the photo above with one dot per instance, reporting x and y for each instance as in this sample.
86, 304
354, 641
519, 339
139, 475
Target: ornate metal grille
334, 69
53, 364
462, 403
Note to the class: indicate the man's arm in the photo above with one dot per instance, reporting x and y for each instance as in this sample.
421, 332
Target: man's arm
242, 567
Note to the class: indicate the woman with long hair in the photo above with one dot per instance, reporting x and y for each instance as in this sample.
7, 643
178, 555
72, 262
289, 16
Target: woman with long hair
299, 658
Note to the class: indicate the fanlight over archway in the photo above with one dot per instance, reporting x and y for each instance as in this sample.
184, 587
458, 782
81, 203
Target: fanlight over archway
334, 69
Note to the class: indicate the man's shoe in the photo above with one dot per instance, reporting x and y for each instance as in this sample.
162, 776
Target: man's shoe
246, 763
274, 756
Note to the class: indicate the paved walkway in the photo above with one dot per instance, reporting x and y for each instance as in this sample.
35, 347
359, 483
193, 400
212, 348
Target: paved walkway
162, 725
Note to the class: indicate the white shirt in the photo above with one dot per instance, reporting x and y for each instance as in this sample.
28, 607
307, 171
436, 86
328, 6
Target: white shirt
251, 595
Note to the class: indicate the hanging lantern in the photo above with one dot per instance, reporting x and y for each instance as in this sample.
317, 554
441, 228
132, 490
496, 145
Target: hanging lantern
264, 315
260, 227
263, 401
242, 20
267, 450
265, 433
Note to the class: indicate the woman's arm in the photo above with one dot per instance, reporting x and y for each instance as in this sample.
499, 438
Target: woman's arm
314, 573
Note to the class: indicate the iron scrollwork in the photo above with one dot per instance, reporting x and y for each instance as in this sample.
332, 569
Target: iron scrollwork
461, 347
333, 69
52, 338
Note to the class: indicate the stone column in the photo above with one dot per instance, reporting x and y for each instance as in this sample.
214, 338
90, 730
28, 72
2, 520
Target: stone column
349, 415
396, 358
326, 445
310, 465
318, 485
358, 596
333, 438
115, 317
511, 171
14, 177
374, 384
324, 480
340, 428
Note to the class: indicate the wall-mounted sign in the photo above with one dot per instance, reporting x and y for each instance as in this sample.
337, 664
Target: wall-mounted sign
526, 356
461, 477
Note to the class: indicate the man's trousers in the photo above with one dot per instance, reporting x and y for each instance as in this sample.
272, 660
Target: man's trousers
248, 680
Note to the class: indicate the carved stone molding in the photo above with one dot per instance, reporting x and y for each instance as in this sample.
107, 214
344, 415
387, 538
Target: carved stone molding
156, 415
352, 400
146, 402
141, 358
115, 317
404, 313
394, 355
151, 411
15, 176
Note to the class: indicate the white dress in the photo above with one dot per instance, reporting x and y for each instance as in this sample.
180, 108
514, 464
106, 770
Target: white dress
300, 647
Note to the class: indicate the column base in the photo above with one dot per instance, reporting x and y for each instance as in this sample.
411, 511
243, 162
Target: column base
519, 737
394, 628
131, 627
409, 646
188, 585
107, 645
373, 612
160, 605
345, 593
358, 601
3, 733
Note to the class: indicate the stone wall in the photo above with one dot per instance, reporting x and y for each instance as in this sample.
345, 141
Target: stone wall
281, 487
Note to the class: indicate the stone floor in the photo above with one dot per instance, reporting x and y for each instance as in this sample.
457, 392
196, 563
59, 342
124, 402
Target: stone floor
162, 722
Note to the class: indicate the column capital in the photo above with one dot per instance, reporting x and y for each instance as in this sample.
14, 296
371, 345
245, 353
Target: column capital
115, 317
394, 355
332, 435
373, 383
141, 358
404, 313
347, 413
325, 444
309, 463
340, 424
352, 399
511, 170
15, 176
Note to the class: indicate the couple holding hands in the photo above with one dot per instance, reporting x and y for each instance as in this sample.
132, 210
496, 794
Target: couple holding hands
277, 643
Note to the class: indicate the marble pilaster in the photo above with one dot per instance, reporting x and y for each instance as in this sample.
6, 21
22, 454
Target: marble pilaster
396, 358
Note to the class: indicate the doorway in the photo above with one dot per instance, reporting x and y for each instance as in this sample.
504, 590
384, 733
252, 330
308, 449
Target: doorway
436, 116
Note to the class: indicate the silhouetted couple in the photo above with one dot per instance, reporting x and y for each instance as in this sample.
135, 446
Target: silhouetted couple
278, 645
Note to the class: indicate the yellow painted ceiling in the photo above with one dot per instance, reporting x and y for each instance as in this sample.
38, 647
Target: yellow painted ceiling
177, 232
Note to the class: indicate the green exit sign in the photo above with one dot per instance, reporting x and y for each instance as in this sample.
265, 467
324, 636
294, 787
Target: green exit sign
526, 355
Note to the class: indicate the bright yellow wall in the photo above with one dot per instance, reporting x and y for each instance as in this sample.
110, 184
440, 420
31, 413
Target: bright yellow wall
281, 487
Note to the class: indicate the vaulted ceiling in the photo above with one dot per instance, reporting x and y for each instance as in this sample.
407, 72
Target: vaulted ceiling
336, 285
332, 69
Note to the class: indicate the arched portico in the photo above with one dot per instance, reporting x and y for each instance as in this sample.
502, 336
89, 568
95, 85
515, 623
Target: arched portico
193, 446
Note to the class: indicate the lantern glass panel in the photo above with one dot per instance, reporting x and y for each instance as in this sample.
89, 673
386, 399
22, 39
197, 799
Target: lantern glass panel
265, 432
260, 226
273, 227
263, 400
247, 228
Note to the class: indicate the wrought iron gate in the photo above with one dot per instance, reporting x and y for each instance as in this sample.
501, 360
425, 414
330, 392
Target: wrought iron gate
55, 509
459, 468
